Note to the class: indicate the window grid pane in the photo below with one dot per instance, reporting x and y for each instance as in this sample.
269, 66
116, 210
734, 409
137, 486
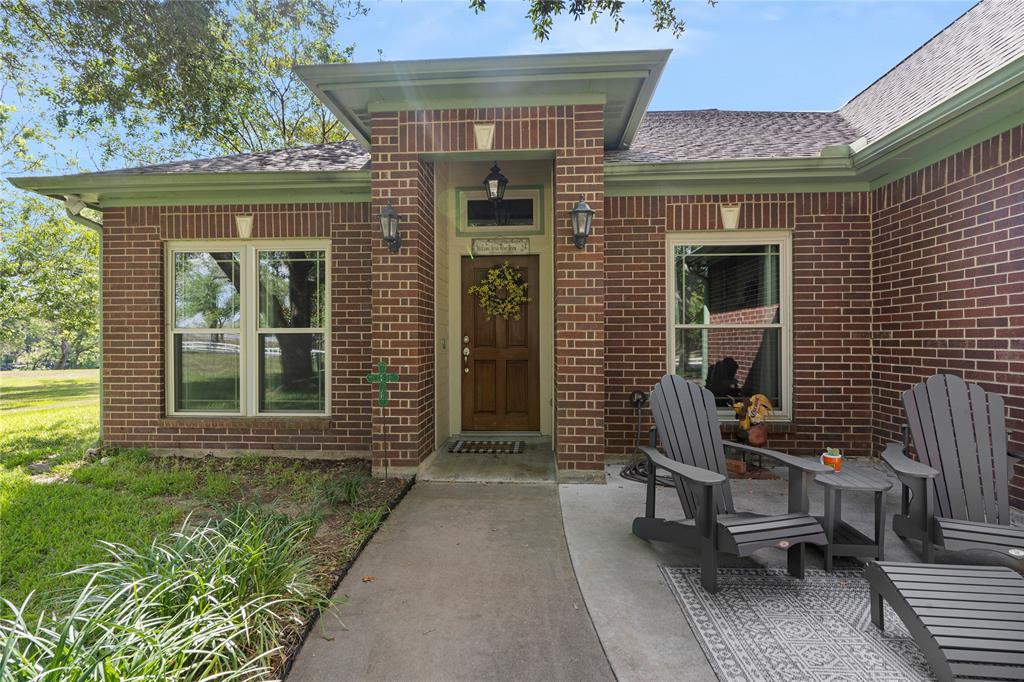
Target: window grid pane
207, 290
207, 372
292, 372
728, 319
291, 288
290, 335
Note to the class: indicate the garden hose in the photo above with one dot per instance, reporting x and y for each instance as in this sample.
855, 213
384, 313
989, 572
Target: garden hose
636, 470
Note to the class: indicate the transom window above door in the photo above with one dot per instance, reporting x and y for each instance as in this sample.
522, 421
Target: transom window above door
247, 328
729, 315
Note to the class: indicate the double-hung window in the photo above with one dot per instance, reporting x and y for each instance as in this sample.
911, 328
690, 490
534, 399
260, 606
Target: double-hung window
729, 314
248, 328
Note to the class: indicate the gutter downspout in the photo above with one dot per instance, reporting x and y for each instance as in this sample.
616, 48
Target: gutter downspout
73, 206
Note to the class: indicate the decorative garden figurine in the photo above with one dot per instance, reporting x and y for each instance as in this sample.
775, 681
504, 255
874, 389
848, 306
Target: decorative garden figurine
751, 414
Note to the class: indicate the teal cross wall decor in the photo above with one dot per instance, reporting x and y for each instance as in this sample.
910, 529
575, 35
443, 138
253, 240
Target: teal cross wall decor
382, 376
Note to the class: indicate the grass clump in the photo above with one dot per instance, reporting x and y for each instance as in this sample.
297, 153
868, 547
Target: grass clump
368, 520
344, 490
214, 601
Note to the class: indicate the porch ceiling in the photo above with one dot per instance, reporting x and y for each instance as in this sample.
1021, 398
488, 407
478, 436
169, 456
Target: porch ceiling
622, 81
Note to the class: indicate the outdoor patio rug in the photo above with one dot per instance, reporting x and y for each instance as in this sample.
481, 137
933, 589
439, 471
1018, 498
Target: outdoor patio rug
487, 447
765, 625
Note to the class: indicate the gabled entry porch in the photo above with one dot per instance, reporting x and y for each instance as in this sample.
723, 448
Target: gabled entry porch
433, 129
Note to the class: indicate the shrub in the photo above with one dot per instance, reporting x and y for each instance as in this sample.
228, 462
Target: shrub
214, 601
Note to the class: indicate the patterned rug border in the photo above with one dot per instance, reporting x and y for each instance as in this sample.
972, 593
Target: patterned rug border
703, 641
517, 447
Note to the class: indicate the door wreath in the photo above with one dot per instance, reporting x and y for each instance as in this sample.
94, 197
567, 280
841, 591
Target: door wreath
501, 293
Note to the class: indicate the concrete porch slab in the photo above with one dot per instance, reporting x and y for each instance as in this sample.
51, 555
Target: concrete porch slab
535, 465
644, 633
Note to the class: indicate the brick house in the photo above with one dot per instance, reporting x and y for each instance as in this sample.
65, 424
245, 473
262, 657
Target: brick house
826, 259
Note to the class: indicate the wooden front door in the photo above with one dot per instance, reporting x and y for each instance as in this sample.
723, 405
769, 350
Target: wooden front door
501, 370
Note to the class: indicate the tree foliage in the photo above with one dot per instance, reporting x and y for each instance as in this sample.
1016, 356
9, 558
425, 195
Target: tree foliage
542, 13
154, 78
49, 286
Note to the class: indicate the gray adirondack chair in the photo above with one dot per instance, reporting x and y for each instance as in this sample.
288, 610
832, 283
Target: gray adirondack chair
687, 422
956, 495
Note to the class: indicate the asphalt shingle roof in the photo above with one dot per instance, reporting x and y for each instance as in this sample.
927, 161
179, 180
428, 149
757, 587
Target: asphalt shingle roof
334, 156
988, 36
709, 134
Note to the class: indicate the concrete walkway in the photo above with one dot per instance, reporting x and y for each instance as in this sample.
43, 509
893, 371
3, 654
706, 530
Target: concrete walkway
470, 581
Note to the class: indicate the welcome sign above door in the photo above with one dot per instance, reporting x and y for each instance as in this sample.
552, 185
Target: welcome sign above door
501, 246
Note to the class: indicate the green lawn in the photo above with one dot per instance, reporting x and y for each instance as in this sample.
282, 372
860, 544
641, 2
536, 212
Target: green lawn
52, 521
46, 413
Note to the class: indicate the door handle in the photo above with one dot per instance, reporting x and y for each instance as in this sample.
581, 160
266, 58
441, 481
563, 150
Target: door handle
465, 358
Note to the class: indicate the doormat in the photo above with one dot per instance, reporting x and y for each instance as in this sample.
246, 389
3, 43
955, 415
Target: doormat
487, 447
764, 625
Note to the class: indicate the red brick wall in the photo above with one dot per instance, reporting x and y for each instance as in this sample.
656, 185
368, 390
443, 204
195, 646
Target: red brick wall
403, 296
575, 134
831, 313
949, 280
133, 322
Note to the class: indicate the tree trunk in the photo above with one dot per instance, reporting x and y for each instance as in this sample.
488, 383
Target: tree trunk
64, 348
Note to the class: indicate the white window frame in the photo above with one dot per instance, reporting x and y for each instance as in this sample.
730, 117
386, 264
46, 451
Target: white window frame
248, 329
781, 238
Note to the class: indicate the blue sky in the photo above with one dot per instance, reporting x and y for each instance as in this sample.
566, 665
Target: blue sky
736, 55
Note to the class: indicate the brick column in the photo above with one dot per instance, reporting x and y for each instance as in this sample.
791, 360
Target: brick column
402, 302
579, 301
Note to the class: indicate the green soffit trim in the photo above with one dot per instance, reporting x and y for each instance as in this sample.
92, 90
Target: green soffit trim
104, 190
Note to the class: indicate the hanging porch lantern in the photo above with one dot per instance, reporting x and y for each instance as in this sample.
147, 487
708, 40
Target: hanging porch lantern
582, 223
389, 220
495, 184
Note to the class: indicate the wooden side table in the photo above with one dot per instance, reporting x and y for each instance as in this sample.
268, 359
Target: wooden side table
844, 539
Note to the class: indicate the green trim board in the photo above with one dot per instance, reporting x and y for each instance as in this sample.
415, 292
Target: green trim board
105, 190
491, 155
622, 81
506, 230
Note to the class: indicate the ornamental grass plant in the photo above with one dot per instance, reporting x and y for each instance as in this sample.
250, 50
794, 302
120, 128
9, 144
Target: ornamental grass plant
214, 602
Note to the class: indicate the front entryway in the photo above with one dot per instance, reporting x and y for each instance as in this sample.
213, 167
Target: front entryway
500, 358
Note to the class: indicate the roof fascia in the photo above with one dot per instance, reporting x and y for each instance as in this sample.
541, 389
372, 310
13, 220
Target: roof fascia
990, 106
104, 190
731, 177
639, 108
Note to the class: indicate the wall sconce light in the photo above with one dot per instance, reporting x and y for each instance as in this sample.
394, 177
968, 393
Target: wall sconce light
582, 223
243, 223
730, 216
389, 220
